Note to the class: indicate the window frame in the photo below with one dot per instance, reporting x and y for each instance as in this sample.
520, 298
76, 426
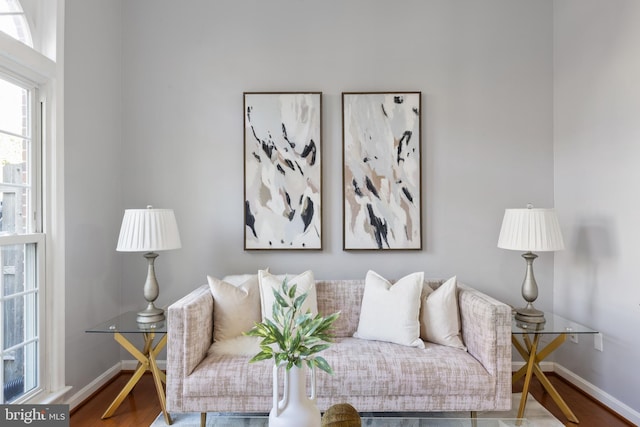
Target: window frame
24, 25
34, 230
25, 63
32, 235
37, 106
39, 241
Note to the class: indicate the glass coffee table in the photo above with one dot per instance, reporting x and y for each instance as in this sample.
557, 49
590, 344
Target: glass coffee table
426, 420
443, 422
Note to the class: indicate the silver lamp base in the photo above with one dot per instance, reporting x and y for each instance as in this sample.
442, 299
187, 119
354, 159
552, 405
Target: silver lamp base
529, 314
151, 314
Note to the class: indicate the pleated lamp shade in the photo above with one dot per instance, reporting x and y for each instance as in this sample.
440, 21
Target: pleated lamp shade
148, 230
534, 230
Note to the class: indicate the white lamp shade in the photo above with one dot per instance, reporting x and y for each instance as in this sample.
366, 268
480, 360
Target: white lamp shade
148, 230
535, 230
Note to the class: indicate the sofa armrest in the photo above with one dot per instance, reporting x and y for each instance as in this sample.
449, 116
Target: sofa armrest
190, 333
486, 331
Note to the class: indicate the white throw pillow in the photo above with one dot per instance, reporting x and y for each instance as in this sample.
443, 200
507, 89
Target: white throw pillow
390, 312
439, 316
236, 306
304, 281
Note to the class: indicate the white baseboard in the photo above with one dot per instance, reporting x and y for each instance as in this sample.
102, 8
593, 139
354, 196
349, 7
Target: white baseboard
545, 366
131, 365
95, 385
598, 394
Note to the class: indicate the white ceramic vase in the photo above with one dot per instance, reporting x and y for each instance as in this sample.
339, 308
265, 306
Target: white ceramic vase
295, 408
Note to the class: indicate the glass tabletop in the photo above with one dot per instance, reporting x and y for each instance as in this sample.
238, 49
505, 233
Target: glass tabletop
443, 422
553, 324
233, 420
126, 323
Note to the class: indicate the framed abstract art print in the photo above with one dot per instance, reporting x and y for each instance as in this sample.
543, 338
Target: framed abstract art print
382, 173
282, 170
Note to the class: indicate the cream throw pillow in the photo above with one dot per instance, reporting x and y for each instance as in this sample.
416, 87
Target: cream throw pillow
390, 312
304, 281
238, 346
236, 306
439, 316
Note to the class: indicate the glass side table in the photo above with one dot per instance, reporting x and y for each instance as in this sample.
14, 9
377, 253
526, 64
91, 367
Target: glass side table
527, 346
126, 324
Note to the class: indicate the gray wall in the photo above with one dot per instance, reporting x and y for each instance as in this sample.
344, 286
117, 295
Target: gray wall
597, 149
154, 116
485, 72
93, 169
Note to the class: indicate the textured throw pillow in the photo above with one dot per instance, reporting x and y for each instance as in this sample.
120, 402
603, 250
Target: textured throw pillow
390, 312
236, 306
304, 281
439, 317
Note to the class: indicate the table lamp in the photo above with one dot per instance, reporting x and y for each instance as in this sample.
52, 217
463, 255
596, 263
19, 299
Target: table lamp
530, 230
149, 230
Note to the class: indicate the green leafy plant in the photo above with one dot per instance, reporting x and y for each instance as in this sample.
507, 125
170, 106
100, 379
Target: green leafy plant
293, 337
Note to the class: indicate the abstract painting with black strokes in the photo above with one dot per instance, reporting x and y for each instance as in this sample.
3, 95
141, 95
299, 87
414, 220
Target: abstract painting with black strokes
382, 173
282, 165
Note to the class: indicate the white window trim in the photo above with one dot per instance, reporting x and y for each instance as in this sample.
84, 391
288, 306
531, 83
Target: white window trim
15, 57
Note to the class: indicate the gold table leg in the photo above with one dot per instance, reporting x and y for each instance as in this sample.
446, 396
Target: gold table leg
146, 361
533, 357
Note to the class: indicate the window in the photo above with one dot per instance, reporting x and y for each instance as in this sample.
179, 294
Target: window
21, 243
14, 22
32, 262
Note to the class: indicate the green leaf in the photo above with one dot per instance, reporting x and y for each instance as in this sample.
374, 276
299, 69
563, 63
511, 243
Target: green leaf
266, 346
321, 363
260, 356
295, 343
253, 332
280, 357
280, 299
312, 326
259, 330
318, 348
325, 337
268, 340
303, 320
328, 321
292, 291
274, 332
299, 300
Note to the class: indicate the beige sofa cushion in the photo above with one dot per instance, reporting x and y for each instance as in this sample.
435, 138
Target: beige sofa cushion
236, 306
439, 315
361, 368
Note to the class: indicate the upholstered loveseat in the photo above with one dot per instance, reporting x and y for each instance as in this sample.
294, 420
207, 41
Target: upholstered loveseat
371, 375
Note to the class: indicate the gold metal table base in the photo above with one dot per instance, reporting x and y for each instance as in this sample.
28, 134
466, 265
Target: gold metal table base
533, 357
146, 362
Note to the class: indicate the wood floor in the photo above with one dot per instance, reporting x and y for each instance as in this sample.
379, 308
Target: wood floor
142, 407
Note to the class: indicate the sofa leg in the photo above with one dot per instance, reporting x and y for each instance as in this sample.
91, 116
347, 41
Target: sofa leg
203, 419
